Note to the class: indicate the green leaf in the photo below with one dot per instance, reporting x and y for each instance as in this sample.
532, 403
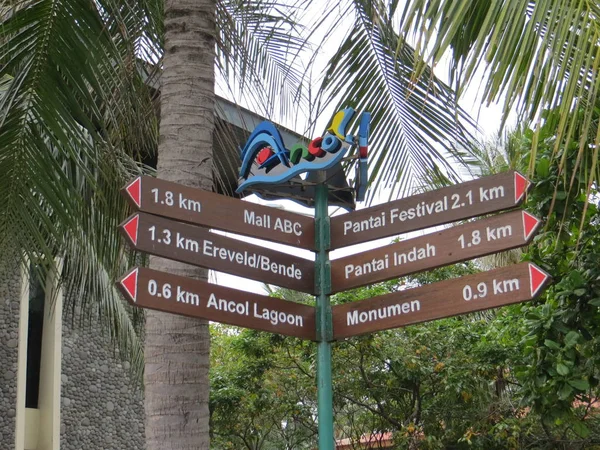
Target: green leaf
571, 338
551, 344
576, 278
565, 391
581, 429
582, 385
595, 302
543, 167
562, 369
561, 195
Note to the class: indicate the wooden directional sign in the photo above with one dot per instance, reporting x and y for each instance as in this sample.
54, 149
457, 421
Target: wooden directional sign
459, 243
485, 290
198, 246
462, 201
195, 206
180, 295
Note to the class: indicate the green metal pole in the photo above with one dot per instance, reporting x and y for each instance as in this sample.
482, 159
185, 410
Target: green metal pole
324, 322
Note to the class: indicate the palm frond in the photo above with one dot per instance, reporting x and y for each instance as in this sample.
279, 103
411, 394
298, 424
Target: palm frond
73, 112
535, 56
258, 44
417, 128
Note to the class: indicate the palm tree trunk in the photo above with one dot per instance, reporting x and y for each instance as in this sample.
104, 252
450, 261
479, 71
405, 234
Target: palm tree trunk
177, 348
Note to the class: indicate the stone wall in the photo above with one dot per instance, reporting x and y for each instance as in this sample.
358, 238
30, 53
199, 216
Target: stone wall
10, 292
101, 408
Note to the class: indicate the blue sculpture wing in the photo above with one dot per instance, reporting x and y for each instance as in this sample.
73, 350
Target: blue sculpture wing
264, 135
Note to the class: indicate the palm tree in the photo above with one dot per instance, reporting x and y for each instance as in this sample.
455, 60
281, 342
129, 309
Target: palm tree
177, 347
72, 108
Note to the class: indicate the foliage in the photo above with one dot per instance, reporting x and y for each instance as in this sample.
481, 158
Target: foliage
72, 115
452, 383
78, 115
523, 376
418, 131
432, 384
563, 338
260, 397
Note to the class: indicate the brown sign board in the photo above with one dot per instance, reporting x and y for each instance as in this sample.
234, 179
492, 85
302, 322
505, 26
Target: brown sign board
161, 291
199, 207
512, 284
198, 246
455, 244
461, 201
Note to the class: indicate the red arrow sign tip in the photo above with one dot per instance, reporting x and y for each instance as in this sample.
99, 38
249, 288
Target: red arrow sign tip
521, 185
131, 228
530, 223
129, 283
134, 189
537, 278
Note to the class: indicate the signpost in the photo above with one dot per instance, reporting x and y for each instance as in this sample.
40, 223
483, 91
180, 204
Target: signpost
450, 204
458, 243
181, 295
512, 284
195, 206
157, 229
194, 245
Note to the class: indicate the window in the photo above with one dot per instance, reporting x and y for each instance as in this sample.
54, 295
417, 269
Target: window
37, 299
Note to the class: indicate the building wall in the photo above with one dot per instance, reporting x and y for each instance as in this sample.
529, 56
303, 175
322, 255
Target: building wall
102, 409
10, 294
